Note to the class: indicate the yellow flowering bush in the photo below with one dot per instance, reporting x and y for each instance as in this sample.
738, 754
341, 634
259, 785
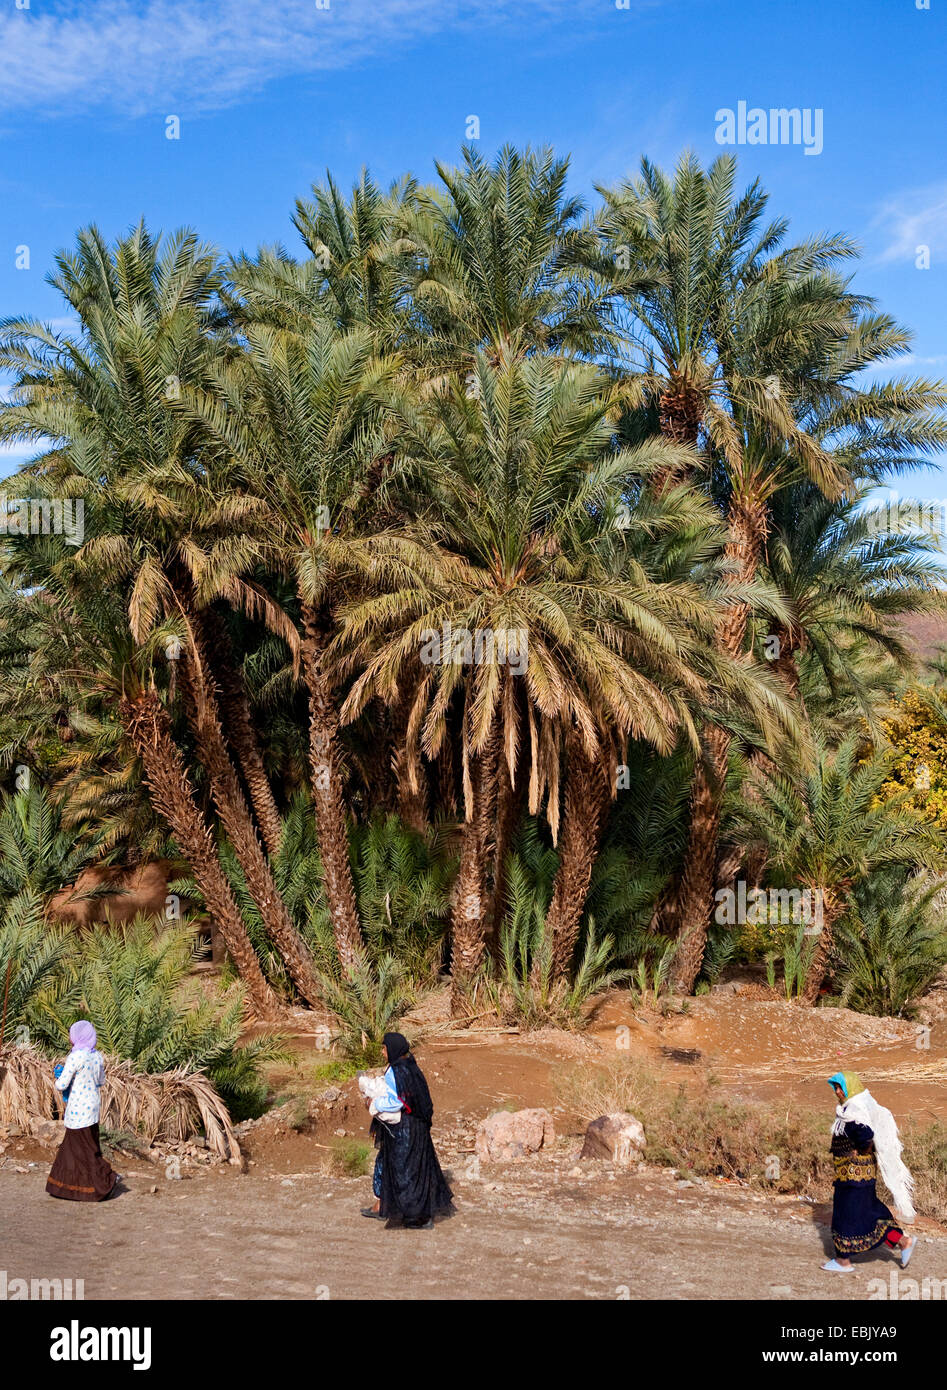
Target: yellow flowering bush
920, 765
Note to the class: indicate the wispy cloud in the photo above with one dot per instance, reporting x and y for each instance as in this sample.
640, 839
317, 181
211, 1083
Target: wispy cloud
912, 219
136, 57
910, 365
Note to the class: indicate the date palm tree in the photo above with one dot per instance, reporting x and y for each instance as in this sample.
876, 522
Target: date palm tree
300, 424
519, 537
352, 276
493, 261
147, 321
846, 579
83, 647
830, 830
693, 268
738, 339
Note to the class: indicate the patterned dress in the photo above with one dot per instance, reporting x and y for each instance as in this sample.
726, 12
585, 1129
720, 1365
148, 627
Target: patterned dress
83, 1076
859, 1220
80, 1173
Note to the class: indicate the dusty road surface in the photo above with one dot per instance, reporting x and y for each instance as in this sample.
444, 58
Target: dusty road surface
550, 1227
534, 1230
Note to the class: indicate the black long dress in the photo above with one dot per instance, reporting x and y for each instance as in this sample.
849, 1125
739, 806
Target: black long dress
412, 1184
860, 1221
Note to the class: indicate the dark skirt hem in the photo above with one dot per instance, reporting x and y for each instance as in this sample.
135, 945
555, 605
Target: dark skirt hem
412, 1185
79, 1172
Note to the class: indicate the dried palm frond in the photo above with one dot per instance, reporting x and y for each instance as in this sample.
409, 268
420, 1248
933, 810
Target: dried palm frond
171, 1105
26, 1087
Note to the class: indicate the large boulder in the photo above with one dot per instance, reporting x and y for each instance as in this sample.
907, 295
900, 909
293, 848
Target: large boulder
514, 1134
618, 1138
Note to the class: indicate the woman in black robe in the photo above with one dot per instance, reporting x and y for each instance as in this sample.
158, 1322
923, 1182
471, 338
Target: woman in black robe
412, 1187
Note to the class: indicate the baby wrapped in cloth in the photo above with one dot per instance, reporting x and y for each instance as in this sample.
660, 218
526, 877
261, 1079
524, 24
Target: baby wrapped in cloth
379, 1090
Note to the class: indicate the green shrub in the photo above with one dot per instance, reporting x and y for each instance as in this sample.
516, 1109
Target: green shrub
132, 982
892, 944
350, 1158
366, 1005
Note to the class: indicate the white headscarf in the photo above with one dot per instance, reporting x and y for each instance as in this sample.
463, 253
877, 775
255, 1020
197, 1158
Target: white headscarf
863, 1109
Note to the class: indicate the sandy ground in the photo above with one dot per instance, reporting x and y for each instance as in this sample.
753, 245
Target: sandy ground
544, 1228
535, 1233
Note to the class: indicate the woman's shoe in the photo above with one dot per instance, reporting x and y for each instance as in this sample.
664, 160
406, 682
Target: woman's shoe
427, 1225
835, 1268
372, 1214
907, 1252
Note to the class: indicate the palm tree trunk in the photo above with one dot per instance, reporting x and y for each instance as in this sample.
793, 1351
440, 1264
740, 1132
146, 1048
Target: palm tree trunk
446, 776
586, 803
729, 863
757, 856
746, 531
680, 411
509, 807
785, 663
238, 722
147, 725
469, 917
412, 799
325, 758
832, 909
693, 904
228, 798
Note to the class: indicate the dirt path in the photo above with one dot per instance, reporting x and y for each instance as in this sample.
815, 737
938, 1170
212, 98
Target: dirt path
536, 1231
546, 1228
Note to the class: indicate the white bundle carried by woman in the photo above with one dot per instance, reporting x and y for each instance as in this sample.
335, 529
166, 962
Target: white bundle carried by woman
863, 1109
384, 1103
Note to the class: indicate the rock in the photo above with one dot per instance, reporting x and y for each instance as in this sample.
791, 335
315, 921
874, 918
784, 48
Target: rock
49, 1133
507, 1134
618, 1137
331, 1095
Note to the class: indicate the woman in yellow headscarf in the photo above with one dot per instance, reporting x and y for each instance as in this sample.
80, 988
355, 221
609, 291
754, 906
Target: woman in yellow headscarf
865, 1139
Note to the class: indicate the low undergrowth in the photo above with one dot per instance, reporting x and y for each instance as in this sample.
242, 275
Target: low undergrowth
703, 1133
350, 1158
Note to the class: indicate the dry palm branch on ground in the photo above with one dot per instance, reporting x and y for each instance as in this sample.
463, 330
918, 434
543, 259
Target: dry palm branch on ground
169, 1105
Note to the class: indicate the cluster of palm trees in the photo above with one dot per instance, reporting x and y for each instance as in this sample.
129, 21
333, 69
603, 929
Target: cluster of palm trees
641, 438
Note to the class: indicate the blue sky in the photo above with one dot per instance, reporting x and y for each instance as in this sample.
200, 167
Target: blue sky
270, 93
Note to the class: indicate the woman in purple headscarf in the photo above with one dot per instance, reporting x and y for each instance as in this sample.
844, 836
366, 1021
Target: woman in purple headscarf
80, 1173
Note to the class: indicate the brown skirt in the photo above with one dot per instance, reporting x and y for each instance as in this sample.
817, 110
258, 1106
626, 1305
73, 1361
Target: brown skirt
79, 1172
